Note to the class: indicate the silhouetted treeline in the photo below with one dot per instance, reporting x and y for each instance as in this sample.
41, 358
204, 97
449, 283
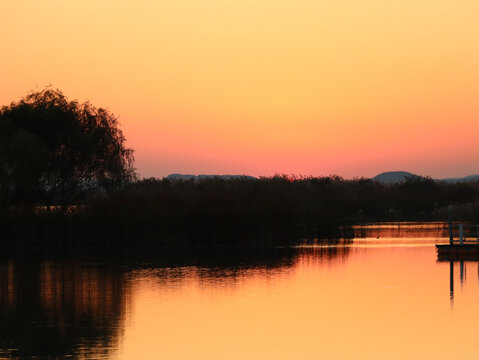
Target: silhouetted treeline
66, 176
272, 210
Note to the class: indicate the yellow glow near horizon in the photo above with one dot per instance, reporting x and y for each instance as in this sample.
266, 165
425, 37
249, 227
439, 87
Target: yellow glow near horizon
258, 87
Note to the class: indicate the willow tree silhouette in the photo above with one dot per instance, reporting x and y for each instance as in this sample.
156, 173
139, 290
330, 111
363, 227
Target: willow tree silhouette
54, 151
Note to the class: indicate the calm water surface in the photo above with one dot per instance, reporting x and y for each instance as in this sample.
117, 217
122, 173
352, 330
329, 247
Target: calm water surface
384, 295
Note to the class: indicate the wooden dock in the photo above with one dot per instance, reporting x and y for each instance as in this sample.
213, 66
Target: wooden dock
458, 252
463, 241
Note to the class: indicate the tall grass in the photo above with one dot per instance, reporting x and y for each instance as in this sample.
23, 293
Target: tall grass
274, 210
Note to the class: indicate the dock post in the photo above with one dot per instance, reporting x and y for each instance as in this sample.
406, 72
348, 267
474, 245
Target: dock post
451, 279
461, 234
450, 211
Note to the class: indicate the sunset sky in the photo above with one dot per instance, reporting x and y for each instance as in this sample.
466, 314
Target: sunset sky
312, 87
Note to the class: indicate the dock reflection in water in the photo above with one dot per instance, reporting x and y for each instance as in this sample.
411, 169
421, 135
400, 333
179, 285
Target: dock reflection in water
383, 298
458, 269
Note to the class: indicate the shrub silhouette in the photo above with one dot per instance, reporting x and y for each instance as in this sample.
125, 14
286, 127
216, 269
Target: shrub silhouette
54, 151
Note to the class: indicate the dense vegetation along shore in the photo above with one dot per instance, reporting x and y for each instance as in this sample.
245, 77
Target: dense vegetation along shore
66, 176
239, 210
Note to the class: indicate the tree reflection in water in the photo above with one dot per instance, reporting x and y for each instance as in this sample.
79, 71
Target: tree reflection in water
57, 309
75, 307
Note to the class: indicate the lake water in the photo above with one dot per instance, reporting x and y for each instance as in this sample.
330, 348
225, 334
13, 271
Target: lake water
384, 295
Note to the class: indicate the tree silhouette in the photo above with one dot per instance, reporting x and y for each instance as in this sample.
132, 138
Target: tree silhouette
56, 151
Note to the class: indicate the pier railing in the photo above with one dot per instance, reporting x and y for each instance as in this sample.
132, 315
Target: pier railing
463, 233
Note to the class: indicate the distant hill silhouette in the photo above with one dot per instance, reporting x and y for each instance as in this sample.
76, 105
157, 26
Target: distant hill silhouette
391, 177
463, 179
201, 177
388, 177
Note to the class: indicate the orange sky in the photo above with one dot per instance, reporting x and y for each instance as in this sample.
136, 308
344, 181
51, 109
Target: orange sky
351, 87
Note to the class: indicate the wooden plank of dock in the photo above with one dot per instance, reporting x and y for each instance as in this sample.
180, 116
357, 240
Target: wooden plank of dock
458, 251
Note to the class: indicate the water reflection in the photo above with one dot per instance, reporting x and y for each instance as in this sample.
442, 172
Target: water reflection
402, 230
76, 308
241, 303
57, 309
458, 269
